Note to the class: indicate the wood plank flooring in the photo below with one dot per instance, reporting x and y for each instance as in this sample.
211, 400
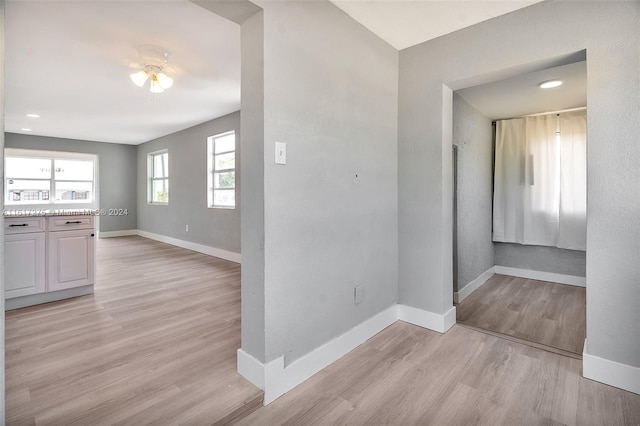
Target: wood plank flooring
407, 375
155, 344
541, 312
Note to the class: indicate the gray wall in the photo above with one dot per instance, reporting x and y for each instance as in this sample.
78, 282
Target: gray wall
541, 258
506, 46
116, 173
2, 415
330, 93
253, 161
472, 134
219, 228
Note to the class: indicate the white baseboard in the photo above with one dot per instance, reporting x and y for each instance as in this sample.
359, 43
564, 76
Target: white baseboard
200, 248
279, 378
276, 379
250, 368
123, 233
610, 372
542, 276
426, 319
449, 319
460, 295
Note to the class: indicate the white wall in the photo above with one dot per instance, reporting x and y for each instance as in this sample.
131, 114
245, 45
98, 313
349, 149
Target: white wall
506, 46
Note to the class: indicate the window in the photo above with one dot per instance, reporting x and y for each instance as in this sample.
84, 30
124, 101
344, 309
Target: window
158, 170
46, 177
540, 195
221, 161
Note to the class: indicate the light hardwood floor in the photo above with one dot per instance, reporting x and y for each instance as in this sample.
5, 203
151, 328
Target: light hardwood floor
541, 312
407, 375
156, 344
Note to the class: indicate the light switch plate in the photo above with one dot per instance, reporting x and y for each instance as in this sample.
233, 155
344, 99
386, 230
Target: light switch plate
281, 153
358, 294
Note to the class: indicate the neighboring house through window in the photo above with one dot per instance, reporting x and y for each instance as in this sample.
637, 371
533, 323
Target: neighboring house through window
221, 177
34, 177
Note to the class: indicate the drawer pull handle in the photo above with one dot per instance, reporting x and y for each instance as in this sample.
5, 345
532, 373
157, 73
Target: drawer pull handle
72, 222
13, 225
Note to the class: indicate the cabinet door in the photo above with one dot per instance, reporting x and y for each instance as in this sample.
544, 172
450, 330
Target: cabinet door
71, 259
24, 260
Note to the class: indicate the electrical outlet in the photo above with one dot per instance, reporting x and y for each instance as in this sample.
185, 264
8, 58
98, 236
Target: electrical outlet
186, 228
358, 294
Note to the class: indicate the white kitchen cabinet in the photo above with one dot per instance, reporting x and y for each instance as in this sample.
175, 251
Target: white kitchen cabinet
71, 258
24, 260
48, 258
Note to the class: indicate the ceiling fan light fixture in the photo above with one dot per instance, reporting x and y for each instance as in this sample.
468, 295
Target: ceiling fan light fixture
139, 78
155, 60
155, 86
164, 80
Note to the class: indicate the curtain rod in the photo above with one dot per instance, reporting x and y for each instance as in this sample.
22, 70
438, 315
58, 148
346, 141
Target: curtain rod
542, 113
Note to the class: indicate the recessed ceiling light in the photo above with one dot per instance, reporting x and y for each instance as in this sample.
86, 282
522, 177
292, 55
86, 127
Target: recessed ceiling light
25, 130
549, 84
33, 115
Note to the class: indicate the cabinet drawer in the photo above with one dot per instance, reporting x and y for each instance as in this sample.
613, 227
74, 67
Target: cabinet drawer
66, 223
23, 225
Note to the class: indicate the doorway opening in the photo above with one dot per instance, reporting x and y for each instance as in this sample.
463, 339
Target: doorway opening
515, 273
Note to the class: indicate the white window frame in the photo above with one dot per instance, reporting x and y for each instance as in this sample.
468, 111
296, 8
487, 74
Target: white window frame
211, 170
91, 203
151, 178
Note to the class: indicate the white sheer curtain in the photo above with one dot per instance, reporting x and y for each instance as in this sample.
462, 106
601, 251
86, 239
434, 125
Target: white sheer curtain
540, 181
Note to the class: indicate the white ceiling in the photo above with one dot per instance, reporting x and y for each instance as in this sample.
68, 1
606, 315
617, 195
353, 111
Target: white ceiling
70, 60
403, 23
521, 95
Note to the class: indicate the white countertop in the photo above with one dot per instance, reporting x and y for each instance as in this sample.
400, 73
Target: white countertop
47, 212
